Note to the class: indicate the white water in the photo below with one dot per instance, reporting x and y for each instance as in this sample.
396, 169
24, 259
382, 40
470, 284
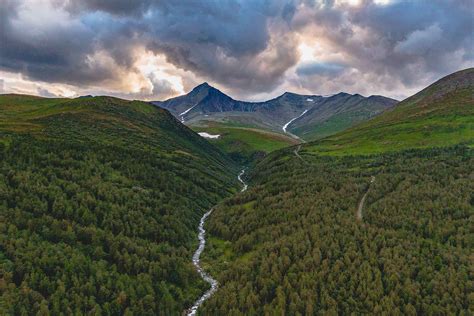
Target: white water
185, 112
239, 177
197, 261
207, 135
292, 120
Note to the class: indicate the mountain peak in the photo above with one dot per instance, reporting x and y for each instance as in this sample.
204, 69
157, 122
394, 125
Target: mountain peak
202, 86
205, 89
200, 91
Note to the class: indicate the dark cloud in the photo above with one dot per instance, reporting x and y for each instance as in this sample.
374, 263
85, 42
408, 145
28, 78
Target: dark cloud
58, 53
220, 40
246, 46
117, 7
412, 41
227, 41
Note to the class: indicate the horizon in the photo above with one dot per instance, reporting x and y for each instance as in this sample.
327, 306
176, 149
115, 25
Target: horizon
252, 51
243, 100
185, 93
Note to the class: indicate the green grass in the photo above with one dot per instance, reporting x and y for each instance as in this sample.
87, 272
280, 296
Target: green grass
104, 120
333, 125
421, 122
217, 256
243, 143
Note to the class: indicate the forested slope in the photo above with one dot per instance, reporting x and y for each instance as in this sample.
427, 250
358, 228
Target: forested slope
292, 244
99, 203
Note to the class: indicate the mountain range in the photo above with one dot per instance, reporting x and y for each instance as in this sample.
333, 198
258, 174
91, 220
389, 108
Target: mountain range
301, 116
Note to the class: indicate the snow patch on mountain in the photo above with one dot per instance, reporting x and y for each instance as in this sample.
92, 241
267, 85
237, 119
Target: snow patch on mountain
292, 120
207, 135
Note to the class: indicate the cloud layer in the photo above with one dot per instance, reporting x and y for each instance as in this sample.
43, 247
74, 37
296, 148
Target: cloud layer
252, 49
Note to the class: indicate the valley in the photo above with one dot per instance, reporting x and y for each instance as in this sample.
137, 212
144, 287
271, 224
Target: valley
196, 257
244, 144
346, 224
101, 198
251, 129
241, 157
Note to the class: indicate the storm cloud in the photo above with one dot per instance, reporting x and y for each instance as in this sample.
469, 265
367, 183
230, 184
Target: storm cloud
251, 49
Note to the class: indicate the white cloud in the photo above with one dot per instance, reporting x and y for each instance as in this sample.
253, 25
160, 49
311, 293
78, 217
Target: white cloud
16, 83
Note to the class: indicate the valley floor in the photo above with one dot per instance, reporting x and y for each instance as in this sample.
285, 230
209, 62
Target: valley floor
197, 255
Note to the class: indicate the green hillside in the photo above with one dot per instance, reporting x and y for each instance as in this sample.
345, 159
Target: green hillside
440, 115
99, 203
338, 113
292, 244
374, 221
244, 144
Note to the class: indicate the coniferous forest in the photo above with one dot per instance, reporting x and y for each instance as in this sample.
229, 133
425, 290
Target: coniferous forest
292, 244
99, 204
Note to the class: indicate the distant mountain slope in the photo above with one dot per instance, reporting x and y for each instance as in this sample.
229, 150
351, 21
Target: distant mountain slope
100, 199
339, 112
202, 99
323, 115
439, 115
207, 103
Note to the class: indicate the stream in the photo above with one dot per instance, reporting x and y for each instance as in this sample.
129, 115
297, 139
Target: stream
197, 255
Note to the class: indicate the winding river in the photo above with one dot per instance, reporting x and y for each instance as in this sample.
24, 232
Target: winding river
239, 177
197, 255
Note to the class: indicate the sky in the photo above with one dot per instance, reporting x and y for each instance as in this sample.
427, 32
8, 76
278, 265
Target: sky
251, 50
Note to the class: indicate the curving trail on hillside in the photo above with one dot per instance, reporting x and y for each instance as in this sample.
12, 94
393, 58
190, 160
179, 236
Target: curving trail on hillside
362, 201
197, 257
297, 153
